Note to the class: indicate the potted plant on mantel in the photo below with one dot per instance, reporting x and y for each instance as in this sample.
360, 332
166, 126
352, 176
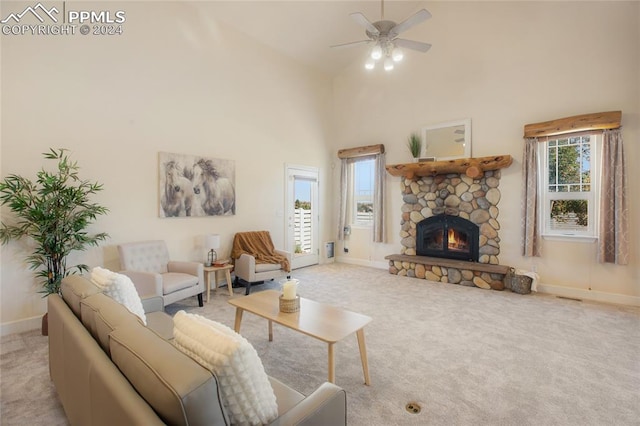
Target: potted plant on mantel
54, 212
414, 143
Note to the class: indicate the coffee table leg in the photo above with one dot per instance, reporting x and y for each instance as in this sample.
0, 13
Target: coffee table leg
332, 364
271, 331
363, 356
236, 326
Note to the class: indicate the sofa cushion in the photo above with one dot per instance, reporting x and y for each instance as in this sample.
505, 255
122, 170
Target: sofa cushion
100, 314
120, 288
246, 391
267, 267
181, 391
74, 288
174, 281
147, 256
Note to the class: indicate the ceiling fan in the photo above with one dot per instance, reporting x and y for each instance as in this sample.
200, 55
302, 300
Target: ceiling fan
385, 34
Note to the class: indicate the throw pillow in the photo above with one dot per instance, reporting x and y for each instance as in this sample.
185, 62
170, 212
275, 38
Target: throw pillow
246, 392
120, 288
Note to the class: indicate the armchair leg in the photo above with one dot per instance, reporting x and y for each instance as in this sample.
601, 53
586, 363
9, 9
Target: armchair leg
248, 288
200, 300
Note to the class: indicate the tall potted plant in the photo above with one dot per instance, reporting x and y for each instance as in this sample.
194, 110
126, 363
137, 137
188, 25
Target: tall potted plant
55, 212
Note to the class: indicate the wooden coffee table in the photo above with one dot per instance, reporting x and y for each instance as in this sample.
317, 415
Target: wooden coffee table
324, 322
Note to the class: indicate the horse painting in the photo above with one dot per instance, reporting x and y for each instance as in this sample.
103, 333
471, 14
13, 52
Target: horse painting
219, 194
177, 195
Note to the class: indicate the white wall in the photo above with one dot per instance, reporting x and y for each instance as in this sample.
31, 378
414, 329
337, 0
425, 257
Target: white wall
504, 65
175, 81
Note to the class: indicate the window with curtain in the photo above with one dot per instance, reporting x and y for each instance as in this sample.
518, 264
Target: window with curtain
362, 189
361, 192
569, 186
575, 185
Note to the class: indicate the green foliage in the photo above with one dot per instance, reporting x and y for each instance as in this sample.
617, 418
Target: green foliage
562, 210
304, 205
55, 212
569, 165
414, 143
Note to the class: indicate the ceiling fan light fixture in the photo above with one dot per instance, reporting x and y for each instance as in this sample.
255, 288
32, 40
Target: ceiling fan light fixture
397, 54
370, 64
388, 64
376, 52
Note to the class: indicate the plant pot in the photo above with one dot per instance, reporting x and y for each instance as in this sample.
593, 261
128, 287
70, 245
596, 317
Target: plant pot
45, 324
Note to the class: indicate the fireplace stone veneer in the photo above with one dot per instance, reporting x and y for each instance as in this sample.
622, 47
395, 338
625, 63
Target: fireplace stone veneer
452, 194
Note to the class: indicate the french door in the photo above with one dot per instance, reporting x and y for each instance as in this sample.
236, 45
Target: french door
302, 215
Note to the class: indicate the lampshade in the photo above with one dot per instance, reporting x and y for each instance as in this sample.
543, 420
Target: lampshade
212, 241
376, 52
370, 64
397, 54
388, 64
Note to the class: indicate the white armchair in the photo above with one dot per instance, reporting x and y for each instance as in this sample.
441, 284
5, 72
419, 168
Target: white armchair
148, 265
256, 259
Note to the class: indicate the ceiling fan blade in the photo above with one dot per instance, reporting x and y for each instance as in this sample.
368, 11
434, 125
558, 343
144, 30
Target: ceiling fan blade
362, 20
413, 45
353, 43
420, 16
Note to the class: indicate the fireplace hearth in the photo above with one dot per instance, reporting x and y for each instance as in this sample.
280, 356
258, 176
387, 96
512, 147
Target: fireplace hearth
448, 237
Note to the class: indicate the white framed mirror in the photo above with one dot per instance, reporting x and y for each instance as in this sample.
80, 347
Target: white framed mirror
447, 141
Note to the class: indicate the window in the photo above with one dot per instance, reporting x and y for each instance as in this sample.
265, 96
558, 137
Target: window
361, 196
570, 190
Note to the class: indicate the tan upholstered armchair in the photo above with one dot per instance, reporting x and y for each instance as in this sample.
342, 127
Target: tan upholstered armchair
256, 259
148, 265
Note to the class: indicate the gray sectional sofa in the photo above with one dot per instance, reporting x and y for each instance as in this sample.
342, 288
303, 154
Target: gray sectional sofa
109, 368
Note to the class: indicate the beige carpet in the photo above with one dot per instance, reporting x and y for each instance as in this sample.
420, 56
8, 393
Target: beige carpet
467, 356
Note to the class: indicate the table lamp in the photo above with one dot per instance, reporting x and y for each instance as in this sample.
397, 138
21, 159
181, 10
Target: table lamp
211, 243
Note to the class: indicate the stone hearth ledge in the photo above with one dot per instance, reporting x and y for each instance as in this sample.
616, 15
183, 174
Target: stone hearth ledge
471, 274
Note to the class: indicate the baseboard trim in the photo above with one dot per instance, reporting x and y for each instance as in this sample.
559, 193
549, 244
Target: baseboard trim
596, 296
20, 326
361, 262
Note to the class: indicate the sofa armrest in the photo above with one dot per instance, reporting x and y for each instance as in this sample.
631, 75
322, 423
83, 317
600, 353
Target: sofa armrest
148, 284
245, 267
191, 268
286, 254
327, 405
152, 304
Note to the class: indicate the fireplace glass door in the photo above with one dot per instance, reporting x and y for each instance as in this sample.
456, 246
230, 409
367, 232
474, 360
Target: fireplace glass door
450, 237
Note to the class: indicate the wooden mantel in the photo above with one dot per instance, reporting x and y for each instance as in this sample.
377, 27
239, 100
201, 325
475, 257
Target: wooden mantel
472, 167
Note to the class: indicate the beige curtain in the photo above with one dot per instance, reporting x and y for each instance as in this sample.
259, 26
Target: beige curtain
613, 242
530, 215
342, 214
379, 231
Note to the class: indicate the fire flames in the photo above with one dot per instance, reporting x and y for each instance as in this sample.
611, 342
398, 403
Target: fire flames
454, 242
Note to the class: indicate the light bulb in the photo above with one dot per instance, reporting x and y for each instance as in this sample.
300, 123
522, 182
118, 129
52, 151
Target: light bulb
388, 64
376, 52
370, 64
397, 54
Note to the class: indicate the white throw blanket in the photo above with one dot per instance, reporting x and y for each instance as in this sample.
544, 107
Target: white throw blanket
120, 288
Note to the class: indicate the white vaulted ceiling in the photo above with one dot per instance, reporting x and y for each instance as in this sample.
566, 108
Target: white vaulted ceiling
304, 30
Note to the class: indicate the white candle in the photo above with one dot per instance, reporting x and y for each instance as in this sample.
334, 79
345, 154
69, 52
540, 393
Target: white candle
289, 290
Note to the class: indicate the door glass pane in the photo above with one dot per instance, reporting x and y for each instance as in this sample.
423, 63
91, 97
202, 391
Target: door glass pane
302, 217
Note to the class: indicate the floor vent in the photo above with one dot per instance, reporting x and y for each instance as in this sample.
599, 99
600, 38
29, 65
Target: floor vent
569, 298
413, 407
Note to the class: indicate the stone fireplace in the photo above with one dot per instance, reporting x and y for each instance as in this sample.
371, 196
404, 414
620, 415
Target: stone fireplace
449, 230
